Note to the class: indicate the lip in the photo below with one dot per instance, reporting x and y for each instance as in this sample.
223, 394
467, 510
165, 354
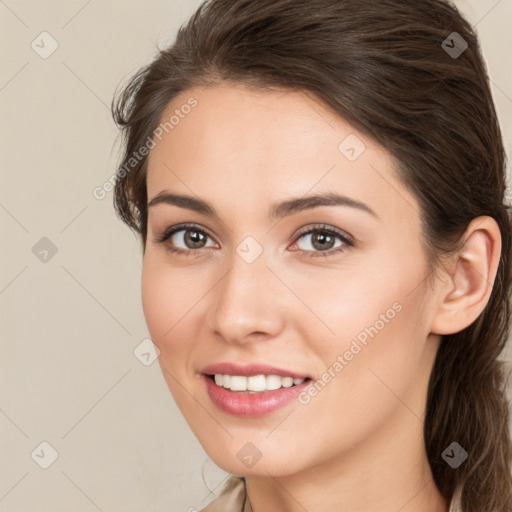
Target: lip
249, 370
250, 405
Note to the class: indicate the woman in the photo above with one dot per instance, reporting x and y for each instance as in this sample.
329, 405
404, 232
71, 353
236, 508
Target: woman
319, 186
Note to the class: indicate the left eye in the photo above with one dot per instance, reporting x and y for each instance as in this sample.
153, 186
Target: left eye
321, 239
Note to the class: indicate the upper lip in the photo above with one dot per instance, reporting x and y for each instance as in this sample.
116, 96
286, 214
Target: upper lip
249, 370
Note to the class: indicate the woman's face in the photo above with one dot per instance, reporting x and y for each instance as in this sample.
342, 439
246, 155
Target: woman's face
348, 309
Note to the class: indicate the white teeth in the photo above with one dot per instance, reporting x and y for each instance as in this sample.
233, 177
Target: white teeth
237, 383
255, 383
273, 382
287, 382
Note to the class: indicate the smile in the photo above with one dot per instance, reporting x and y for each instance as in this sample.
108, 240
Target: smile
255, 383
268, 394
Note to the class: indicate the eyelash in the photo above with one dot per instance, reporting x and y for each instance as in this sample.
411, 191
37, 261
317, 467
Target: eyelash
306, 231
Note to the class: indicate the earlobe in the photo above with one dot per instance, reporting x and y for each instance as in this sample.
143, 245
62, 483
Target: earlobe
465, 293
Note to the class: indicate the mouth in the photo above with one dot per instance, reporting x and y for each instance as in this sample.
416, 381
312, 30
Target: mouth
251, 396
252, 391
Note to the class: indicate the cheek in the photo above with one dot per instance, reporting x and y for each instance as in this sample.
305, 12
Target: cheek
382, 346
171, 300
155, 300
377, 319
164, 301
165, 305
344, 304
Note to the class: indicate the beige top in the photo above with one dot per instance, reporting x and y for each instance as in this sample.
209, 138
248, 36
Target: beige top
234, 499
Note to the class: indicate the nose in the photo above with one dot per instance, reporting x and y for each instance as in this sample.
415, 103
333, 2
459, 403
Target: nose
247, 303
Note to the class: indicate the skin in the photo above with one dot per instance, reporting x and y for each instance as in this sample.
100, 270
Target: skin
359, 442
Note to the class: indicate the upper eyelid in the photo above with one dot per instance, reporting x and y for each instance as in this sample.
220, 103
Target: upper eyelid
188, 227
325, 227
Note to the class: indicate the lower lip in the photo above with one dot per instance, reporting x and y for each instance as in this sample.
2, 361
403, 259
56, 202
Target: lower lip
251, 405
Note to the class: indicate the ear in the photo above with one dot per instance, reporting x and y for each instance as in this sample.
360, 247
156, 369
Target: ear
463, 295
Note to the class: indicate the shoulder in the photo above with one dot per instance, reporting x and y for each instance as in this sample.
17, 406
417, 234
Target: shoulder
231, 499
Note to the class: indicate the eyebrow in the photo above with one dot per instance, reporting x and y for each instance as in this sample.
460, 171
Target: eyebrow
277, 211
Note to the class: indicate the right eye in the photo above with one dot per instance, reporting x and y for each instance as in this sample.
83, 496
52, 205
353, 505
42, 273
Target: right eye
190, 236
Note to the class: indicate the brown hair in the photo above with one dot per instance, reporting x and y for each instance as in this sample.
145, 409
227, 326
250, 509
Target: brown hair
382, 66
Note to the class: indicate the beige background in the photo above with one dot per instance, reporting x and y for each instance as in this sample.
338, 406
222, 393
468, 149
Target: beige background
69, 376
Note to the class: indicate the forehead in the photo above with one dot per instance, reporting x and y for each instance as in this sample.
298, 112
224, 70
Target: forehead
238, 146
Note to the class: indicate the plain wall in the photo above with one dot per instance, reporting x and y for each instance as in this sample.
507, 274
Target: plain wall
70, 324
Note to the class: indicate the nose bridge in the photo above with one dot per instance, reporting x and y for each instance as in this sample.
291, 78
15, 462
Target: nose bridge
245, 301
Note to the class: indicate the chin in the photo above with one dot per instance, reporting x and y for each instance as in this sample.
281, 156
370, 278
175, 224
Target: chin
260, 467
